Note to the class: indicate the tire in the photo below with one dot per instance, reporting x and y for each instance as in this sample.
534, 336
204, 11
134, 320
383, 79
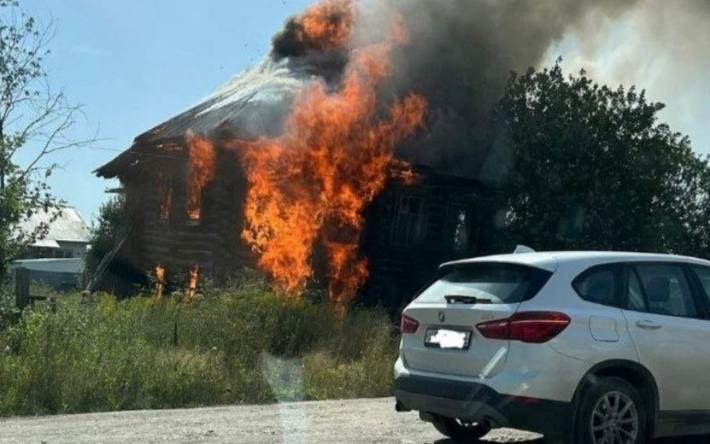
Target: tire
460, 431
611, 407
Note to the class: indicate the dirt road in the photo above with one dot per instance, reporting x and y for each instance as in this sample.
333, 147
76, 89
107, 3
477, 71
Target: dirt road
356, 421
353, 421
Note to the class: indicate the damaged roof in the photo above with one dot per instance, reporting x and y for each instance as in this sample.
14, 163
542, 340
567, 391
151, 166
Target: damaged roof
253, 103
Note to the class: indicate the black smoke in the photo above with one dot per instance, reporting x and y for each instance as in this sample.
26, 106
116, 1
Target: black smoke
460, 56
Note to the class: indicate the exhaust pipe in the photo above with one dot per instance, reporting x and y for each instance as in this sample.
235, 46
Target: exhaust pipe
399, 407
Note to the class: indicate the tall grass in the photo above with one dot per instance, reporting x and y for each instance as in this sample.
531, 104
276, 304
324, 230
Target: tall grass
242, 344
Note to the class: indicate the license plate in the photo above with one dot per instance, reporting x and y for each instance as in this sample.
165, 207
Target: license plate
447, 339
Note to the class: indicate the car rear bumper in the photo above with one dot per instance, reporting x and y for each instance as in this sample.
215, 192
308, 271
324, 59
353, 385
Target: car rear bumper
472, 401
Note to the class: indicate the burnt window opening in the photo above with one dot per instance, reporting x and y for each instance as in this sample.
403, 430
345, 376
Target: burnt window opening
193, 206
201, 169
195, 201
165, 195
192, 197
409, 225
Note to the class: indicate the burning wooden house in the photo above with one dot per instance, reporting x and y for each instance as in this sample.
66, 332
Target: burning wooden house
293, 169
409, 228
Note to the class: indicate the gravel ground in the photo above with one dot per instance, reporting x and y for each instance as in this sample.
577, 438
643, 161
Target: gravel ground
352, 421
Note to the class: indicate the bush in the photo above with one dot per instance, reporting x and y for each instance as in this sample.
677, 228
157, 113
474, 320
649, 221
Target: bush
8, 310
236, 345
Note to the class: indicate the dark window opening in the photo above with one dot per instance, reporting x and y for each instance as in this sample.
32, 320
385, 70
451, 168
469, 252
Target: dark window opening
410, 221
461, 232
165, 193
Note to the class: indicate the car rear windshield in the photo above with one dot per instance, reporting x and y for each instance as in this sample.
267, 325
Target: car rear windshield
495, 283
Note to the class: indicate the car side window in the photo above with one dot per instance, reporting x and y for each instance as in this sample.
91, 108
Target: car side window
635, 299
703, 274
598, 285
666, 290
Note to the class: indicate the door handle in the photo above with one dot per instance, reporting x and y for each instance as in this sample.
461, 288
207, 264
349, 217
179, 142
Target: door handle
648, 325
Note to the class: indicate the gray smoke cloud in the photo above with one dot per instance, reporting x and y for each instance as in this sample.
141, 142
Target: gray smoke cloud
461, 53
460, 57
660, 46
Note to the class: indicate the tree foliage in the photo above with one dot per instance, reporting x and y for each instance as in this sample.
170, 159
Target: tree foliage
105, 231
593, 169
34, 120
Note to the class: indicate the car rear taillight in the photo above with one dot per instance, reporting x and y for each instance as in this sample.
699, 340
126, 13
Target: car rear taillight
533, 327
409, 325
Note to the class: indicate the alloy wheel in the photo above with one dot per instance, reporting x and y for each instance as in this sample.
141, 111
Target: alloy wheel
615, 420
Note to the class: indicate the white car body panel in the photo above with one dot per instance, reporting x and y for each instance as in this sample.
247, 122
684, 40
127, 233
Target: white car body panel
675, 354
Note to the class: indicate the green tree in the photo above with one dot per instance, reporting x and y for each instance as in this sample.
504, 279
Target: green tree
593, 169
105, 232
34, 120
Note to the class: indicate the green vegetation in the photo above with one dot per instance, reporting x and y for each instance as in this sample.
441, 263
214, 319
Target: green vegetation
35, 123
592, 168
242, 344
105, 231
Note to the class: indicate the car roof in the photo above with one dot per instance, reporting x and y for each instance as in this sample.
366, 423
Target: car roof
550, 260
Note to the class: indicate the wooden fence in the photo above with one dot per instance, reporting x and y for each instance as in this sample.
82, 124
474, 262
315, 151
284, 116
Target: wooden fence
23, 297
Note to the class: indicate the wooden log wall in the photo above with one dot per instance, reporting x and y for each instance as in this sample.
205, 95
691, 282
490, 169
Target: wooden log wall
398, 271
397, 268
212, 243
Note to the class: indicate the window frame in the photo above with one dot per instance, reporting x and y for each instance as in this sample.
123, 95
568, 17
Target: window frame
618, 283
627, 271
702, 296
165, 190
408, 237
701, 308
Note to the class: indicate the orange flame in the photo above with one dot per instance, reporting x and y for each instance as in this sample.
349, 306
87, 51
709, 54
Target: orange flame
159, 281
202, 160
312, 184
328, 24
192, 279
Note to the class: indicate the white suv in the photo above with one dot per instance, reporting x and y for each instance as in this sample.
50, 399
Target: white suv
584, 347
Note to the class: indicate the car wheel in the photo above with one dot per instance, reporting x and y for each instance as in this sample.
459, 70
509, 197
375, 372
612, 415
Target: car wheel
460, 431
611, 411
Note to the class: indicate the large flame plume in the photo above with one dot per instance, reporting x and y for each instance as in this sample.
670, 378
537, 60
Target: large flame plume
310, 186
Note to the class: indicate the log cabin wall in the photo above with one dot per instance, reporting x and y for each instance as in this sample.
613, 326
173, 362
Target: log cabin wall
170, 239
411, 230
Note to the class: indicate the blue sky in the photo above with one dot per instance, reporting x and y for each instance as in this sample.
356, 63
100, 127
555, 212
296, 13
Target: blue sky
135, 63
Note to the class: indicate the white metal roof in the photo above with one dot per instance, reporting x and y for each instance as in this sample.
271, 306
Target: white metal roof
45, 243
68, 226
73, 265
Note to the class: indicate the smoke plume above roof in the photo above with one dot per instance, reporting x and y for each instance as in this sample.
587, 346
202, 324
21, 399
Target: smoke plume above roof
460, 55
